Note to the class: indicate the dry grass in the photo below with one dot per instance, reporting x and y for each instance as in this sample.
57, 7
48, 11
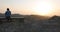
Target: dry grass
30, 25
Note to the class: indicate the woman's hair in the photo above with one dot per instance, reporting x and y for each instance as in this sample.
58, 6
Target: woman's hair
7, 8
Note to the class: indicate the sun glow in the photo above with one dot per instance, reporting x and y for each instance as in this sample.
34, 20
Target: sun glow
43, 8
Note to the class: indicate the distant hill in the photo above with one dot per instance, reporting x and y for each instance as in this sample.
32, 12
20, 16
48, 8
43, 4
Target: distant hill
28, 17
55, 17
36, 17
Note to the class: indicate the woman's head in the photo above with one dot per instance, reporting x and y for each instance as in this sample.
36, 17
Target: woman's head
7, 8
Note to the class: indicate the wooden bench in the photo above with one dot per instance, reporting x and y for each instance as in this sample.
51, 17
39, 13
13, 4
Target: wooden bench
20, 19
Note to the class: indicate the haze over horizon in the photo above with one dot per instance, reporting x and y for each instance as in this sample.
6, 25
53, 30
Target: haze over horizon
28, 7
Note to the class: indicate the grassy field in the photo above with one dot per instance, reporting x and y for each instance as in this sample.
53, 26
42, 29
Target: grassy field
30, 25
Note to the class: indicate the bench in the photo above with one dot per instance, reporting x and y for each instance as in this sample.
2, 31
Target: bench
20, 19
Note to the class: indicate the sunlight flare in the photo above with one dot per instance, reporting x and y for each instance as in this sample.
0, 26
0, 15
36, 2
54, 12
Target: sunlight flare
43, 8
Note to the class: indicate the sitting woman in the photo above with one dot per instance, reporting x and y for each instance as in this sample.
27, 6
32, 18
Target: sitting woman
8, 14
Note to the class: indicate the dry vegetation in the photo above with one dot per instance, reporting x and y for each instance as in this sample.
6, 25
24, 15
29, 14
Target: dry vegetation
31, 24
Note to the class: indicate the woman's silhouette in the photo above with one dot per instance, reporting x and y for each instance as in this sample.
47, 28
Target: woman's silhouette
8, 14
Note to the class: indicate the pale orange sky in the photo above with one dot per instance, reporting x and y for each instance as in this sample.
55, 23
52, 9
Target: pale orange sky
28, 7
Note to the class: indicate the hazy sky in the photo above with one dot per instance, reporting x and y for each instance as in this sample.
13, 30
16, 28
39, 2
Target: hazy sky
28, 6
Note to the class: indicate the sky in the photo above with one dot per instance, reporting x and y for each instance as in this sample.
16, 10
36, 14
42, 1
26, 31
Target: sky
28, 7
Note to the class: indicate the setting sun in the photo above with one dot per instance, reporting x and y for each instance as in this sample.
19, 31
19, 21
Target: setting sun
31, 7
42, 8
